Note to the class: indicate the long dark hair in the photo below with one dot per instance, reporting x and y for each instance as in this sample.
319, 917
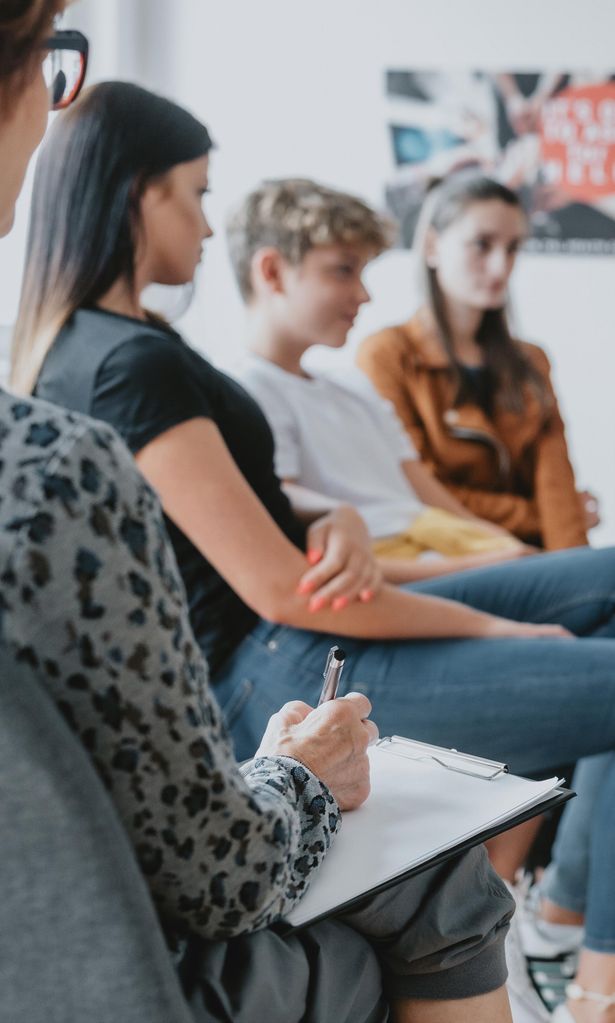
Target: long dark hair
84, 221
508, 368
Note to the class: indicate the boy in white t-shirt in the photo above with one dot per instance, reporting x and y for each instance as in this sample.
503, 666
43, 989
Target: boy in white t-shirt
299, 250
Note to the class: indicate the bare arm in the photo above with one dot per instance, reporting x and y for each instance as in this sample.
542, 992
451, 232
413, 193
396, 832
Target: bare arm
435, 494
513, 513
204, 493
408, 570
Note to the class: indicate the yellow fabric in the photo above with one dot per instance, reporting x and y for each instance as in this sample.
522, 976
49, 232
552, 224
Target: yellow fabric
438, 530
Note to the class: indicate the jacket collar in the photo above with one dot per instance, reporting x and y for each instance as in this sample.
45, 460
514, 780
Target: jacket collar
426, 344
422, 333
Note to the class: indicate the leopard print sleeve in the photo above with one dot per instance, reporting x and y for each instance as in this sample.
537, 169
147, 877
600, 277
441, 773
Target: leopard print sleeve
93, 601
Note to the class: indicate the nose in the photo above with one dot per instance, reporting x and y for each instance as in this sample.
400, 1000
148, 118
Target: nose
500, 265
363, 294
207, 229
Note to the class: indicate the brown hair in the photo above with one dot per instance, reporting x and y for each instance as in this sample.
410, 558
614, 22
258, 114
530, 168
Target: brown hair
510, 371
295, 215
24, 25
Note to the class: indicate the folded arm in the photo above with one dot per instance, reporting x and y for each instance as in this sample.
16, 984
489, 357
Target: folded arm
513, 513
404, 570
205, 494
435, 494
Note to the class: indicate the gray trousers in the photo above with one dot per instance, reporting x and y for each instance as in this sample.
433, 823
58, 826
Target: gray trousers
439, 935
80, 940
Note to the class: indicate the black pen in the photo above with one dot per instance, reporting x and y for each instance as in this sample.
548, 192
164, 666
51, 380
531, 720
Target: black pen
332, 673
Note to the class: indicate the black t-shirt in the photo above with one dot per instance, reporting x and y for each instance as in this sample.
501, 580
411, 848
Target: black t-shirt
143, 379
477, 387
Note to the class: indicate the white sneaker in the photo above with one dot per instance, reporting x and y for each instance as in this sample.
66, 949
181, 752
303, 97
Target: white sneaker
540, 939
525, 1003
562, 1015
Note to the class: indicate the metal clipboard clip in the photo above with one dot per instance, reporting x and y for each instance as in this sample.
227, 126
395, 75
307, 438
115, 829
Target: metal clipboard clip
450, 759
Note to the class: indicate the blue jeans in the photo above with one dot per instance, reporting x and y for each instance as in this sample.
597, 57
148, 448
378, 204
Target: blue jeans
584, 850
534, 703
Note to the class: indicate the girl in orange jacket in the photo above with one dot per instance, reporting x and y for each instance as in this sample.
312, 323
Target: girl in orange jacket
478, 404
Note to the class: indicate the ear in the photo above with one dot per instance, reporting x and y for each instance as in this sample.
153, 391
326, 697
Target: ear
144, 205
430, 248
267, 270
152, 194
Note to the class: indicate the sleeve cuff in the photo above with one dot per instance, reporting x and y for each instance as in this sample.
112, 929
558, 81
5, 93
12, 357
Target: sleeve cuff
311, 793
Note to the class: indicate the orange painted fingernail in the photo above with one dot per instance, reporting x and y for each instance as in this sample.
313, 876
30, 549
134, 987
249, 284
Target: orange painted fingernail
314, 557
340, 603
304, 587
366, 595
316, 603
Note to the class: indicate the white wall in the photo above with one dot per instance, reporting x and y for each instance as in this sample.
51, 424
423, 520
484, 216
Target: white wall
290, 88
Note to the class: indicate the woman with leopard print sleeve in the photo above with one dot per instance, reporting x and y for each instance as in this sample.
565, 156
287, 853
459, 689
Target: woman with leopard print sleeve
92, 601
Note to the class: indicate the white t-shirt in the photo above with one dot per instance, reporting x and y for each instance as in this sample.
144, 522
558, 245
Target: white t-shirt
342, 442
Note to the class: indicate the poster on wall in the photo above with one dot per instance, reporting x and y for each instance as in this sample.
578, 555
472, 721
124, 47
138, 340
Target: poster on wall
550, 136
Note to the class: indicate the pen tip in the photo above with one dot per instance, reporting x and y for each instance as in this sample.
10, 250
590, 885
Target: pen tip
339, 654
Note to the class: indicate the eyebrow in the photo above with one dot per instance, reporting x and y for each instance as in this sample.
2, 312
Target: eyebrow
493, 234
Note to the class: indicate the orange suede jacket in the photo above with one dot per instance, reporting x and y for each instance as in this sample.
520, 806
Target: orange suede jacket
512, 469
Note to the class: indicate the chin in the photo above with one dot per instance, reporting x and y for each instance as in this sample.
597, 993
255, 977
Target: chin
175, 280
337, 342
7, 219
490, 303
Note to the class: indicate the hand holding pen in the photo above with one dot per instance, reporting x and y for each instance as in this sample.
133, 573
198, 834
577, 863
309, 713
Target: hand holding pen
331, 740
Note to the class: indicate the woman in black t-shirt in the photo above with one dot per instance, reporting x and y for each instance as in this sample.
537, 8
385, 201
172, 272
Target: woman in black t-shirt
144, 379
262, 612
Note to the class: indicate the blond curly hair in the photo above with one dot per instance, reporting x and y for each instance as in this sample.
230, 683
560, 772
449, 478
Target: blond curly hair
295, 215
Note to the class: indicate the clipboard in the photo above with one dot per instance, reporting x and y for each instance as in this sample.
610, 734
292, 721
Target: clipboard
452, 801
449, 759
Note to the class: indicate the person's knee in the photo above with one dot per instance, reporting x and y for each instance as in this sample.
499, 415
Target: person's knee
440, 931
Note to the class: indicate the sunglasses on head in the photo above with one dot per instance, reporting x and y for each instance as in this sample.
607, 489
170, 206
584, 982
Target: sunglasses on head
65, 66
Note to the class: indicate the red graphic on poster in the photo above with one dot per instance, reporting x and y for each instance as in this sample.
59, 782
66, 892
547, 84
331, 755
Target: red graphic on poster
577, 136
